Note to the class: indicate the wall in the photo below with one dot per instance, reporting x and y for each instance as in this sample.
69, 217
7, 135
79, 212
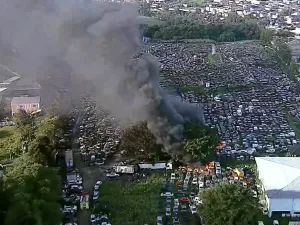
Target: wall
285, 205
27, 107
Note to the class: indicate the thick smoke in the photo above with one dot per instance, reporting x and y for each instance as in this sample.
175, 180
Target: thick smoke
64, 43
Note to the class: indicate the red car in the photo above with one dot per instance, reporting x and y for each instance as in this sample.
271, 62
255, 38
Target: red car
184, 199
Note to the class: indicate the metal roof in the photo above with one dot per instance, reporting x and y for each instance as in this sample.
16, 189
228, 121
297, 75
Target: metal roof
280, 176
25, 100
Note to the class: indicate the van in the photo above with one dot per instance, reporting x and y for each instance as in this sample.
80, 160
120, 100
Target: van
84, 202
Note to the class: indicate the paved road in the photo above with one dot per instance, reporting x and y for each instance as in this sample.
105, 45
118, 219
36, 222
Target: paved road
90, 176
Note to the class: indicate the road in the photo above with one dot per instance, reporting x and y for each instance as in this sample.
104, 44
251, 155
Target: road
90, 176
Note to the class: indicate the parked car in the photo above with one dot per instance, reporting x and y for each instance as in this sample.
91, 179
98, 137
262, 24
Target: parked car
112, 175
159, 220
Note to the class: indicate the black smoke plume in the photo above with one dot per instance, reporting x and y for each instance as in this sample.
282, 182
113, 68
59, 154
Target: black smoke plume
61, 43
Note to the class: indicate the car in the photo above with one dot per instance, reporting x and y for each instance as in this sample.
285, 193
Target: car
176, 201
193, 209
184, 199
168, 211
169, 200
112, 175
173, 176
78, 187
95, 195
175, 221
175, 209
96, 187
99, 182
192, 196
78, 177
159, 220
197, 201
167, 194
93, 218
275, 222
183, 208
201, 184
265, 212
195, 181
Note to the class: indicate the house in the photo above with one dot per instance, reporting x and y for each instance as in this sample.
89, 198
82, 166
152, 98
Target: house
29, 104
280, 177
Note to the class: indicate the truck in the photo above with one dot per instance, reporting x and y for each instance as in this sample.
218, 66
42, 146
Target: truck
69, 158
130, 169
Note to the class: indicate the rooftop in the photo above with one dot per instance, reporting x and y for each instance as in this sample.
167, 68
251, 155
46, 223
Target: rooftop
280, 176
26, 100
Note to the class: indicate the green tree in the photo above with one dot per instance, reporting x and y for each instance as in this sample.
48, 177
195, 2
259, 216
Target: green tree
200, 141
42, 150
283, 51
35, 196
266, 36
229, 204
294, 68
22, 118
137, 140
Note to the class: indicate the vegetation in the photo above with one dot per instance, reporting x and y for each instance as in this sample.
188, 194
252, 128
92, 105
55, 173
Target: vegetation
9, 143
266, 37
31, 188
294, 123
138, 141
233, 203
193, 26
200, 141
131, 203
195, 88
283, 51
294, 68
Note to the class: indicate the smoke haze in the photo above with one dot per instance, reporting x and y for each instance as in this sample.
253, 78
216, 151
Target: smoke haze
66, 45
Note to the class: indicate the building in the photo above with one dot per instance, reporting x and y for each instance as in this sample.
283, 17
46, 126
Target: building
280, 177
29, 104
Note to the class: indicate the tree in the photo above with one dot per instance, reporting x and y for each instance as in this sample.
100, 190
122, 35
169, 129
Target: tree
42, 150
200, 141
139, 141
294, 68
229, 204
35, 194
22, 118
266, 36
283, 51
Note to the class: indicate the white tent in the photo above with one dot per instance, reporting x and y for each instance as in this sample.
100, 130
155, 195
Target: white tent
280, 177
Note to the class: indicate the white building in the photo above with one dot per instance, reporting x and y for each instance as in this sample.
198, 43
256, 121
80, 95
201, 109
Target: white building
280, 177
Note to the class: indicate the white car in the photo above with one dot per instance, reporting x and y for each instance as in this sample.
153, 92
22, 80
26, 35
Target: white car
99, 182
78, 177
176, 201
168, 211
112, 175
93, 218
76, 187
275, 222
193, 209
201, 184
195, 181
159, 220
197, 201
167, 194
96, 187
95, 195
173, 176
